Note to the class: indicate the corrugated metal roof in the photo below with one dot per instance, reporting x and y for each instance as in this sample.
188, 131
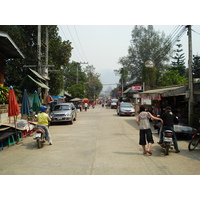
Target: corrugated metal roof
167, 91
37, 74
8, 48
39, 83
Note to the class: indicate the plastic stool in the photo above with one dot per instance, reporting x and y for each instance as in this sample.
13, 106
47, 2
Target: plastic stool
11, 140
19, 135
1, 145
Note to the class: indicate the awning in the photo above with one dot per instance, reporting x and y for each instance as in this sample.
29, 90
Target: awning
8, 48
129, 90
37, 74
164, 92
42, 85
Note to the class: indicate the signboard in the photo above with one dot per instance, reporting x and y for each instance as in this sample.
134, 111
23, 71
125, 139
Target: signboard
136, 87
119, 92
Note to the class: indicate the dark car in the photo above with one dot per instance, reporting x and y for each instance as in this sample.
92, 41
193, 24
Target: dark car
126, 109
63, 112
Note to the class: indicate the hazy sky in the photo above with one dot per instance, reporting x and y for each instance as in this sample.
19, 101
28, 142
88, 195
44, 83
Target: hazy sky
103, 45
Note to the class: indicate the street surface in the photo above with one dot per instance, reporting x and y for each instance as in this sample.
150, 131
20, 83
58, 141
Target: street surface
99, 143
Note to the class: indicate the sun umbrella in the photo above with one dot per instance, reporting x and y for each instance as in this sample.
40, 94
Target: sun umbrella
26, 105
13, 107
36, 102
85, 100
76, 99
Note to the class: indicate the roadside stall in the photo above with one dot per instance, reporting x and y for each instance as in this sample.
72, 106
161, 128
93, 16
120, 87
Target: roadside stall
174, 96
77, 103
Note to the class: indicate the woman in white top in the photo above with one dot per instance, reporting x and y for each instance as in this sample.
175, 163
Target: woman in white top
145, 129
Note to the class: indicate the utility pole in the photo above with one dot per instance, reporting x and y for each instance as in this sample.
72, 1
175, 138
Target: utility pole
46, 60
191, 97
39, 57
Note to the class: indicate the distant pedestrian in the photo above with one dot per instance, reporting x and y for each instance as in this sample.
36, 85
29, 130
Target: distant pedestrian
86, 106
145, 129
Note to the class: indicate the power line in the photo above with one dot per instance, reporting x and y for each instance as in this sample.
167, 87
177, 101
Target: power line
195, 32
74, 43
67, 39
174, 36
80, 43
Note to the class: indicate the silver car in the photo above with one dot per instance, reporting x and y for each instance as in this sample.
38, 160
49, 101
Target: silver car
126, 109
63, 112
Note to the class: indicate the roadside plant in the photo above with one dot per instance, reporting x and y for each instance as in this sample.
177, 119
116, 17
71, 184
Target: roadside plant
3, 95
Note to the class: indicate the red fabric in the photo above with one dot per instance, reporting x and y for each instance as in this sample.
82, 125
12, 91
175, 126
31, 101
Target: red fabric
13, 107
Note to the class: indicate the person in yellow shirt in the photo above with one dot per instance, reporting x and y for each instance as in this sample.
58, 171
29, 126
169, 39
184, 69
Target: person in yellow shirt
43, 121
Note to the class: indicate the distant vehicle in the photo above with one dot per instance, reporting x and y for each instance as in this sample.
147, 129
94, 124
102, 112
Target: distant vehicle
113, 103
63, 112
126, 109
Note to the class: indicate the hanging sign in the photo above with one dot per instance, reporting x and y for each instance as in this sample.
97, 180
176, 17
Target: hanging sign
136, 87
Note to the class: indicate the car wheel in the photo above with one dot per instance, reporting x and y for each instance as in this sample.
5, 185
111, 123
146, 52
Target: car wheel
71, 122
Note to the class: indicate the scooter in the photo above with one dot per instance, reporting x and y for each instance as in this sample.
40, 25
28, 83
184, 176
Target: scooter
195, 139
40, 137
167, 141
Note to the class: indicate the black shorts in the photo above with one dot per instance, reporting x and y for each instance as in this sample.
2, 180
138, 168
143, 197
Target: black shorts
145, 134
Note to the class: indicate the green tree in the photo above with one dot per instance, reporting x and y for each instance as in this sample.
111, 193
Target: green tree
73, 72
25, 37
196, 66
146, 44
178, 62
93, 86
77, 90
170, 78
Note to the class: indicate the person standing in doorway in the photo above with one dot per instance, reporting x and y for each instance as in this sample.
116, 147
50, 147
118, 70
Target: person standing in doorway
145, 129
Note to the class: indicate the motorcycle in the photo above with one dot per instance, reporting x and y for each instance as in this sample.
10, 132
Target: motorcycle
195, 139
167, 141
40, 136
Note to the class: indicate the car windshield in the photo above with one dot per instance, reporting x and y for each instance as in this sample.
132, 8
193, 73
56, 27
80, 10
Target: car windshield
61, 107
126, 105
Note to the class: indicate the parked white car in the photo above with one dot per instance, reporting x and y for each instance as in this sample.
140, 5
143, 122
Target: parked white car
126, 108
63, 112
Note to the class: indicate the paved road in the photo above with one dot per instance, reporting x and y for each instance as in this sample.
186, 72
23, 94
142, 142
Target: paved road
98, 143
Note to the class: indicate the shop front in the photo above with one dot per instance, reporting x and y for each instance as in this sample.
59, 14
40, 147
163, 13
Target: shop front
169, 96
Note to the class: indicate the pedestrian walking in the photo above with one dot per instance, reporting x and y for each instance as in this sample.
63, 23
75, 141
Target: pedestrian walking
145, 129
86, 106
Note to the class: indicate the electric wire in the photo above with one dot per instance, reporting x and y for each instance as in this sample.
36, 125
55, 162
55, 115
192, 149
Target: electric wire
67, 39
75, 43
173, 38
195, 32
80, 43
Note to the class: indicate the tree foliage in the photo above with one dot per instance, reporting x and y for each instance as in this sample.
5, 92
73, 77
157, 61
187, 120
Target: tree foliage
196, 66
93, 85
171, 77
77, 90
25, 37
178, 62
146, 44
